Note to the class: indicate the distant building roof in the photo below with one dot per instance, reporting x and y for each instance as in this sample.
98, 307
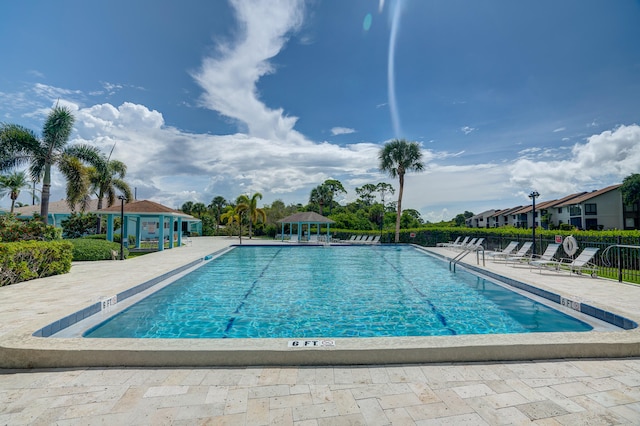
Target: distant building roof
55, 207
506, 212
585, 196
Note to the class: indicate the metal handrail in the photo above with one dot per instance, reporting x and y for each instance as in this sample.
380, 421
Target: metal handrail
465, 252
606, 260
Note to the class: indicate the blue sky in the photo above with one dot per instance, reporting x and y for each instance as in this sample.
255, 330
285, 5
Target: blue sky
207, 98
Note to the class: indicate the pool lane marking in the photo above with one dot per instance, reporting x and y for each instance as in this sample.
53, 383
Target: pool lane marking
248, 293
433, 307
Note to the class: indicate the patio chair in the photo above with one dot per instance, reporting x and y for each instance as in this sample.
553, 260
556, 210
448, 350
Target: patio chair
459, 244
293, 239
578, 265
313, 238
521, 254
450, 243
375, 240
509, 250
547, 256
465, 246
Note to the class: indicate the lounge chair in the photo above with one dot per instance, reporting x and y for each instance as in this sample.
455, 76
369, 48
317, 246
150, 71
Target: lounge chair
547, 256
450, 243
465, 246
578, 265
521, 254
509, 250
352, 238
476, 245
375, 240
313, 238
293, 239
460, 244
364, 239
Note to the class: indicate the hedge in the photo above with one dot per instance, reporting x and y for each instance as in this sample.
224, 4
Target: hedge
95, 249
28, 260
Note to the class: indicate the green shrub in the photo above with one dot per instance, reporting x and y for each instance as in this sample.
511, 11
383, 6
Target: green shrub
13, 229
27, 260
95, 237
78, 225
93, 249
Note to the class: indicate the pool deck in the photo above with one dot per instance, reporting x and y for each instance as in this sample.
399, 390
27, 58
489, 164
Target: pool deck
576, 378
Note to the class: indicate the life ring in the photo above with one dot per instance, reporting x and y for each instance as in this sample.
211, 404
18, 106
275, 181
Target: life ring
570, 245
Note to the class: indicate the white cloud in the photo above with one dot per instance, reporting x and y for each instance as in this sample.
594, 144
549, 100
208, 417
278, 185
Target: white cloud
341, 131
604, 159
53, 93
164, 162
229, 78
559, 129
466, 129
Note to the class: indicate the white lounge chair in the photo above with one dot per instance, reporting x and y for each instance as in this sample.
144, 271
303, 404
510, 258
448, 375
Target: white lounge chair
450, 243
313, 238
547, 256
578, 265
375, 240
293, 239
509, 250
460, 244
465, 246
521, 254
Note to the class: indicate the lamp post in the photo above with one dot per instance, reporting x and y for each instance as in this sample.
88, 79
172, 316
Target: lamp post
533, 196
122, 199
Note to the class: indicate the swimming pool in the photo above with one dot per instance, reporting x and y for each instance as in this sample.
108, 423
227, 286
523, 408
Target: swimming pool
304, 292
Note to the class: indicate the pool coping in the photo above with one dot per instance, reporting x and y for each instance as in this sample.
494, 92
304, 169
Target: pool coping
24, 350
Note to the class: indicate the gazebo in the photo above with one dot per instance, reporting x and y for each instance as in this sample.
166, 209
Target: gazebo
305, 218
153, 222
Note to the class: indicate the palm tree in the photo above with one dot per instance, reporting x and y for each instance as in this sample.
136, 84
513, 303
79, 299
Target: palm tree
249, 205
198, 209
186, 207
20, 145
106, 180
12, 184
320, 195
233, 215
397, 158
217, 204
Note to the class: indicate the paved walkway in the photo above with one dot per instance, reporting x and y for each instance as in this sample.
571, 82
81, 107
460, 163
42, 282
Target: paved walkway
585, 392
566, 392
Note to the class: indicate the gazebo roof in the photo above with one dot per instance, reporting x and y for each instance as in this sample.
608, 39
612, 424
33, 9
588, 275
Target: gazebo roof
306, 217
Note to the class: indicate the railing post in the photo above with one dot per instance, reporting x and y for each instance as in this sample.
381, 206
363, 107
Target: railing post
619, 241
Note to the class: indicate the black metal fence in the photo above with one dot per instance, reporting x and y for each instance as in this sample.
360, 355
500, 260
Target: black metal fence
617, 258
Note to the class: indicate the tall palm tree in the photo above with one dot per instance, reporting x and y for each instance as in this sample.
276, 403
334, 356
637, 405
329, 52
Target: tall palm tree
106, 181
198, 209
20, 145
320, 195
217, 204
397, 158
12, 184
249, 205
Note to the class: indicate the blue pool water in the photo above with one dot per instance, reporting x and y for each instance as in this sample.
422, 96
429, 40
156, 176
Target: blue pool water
339, 291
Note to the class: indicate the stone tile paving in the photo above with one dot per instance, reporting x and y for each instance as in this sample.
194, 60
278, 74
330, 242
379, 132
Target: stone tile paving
562, 392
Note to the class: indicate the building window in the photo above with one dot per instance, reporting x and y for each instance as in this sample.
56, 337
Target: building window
559, 209
590, 209
575, 210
